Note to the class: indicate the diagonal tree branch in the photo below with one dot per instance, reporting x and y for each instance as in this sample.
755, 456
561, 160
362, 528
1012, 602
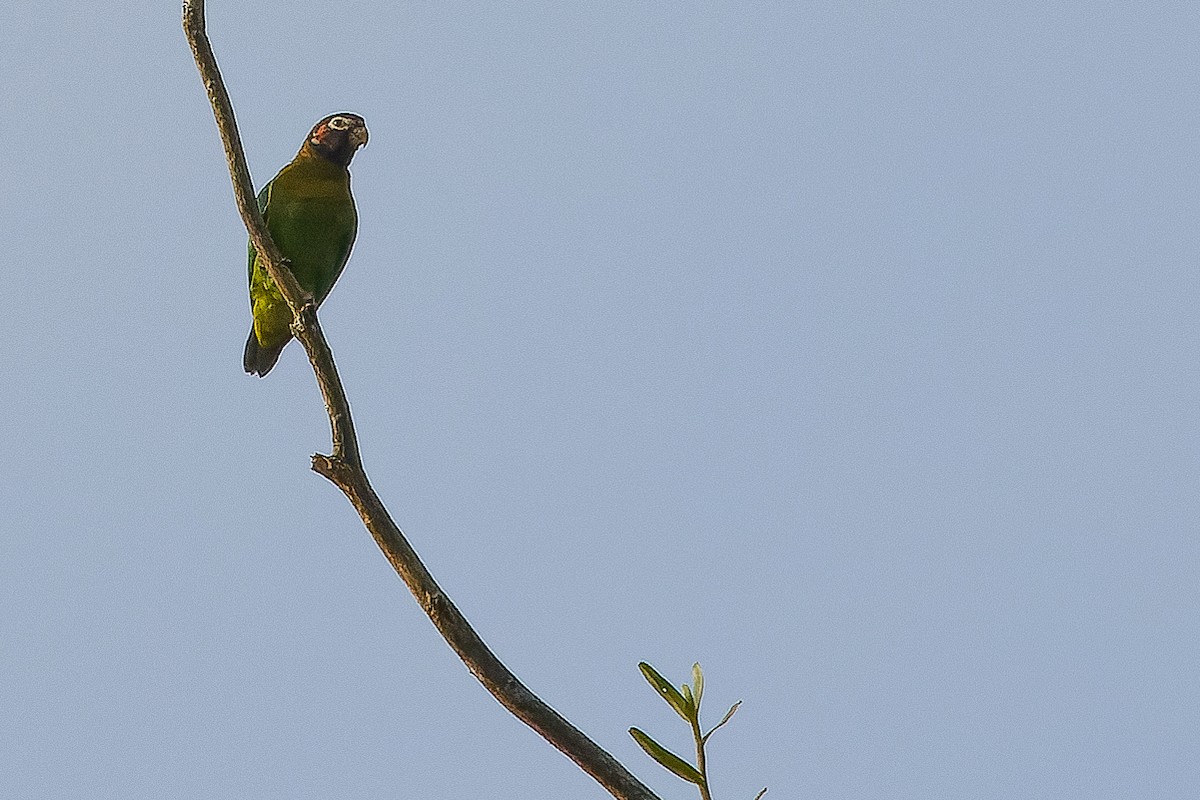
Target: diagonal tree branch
344, 467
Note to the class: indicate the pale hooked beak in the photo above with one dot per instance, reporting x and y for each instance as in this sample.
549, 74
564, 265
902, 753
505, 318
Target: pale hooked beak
358, 136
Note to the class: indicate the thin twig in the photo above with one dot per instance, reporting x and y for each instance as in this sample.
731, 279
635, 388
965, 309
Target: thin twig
344, 467
701, 762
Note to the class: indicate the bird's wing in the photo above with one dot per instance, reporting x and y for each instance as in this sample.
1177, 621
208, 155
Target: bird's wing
264, 201
345, 243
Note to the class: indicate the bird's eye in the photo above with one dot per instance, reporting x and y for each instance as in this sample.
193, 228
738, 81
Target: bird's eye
339, 123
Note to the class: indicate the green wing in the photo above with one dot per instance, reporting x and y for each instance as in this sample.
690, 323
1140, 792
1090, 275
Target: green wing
345, 242
264, 199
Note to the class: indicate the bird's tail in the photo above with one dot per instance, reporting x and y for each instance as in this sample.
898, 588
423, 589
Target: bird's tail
257, 359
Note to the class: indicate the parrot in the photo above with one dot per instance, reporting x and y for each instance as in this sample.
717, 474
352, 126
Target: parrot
310, 213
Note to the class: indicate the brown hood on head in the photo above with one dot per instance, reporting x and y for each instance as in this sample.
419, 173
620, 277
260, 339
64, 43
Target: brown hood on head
337, 137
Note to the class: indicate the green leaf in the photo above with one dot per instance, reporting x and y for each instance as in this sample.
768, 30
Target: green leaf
692, 708
666, 690
724, 719
668, 759
697, 683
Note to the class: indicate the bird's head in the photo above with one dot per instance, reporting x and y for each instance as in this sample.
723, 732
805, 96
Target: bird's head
337, 137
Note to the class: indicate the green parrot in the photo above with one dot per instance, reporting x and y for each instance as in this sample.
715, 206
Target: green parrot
310, 213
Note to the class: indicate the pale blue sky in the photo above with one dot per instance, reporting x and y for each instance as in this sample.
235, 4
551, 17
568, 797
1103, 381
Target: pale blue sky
849, 349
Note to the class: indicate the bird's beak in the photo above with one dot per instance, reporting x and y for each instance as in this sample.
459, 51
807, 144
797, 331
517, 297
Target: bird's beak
358, 136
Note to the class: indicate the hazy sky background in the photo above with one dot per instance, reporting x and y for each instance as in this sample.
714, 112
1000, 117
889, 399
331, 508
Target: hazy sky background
848, 349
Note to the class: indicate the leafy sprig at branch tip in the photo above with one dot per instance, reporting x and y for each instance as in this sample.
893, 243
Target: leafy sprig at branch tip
685, 701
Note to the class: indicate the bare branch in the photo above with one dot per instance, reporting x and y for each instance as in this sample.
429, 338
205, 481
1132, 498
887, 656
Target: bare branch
344, 467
